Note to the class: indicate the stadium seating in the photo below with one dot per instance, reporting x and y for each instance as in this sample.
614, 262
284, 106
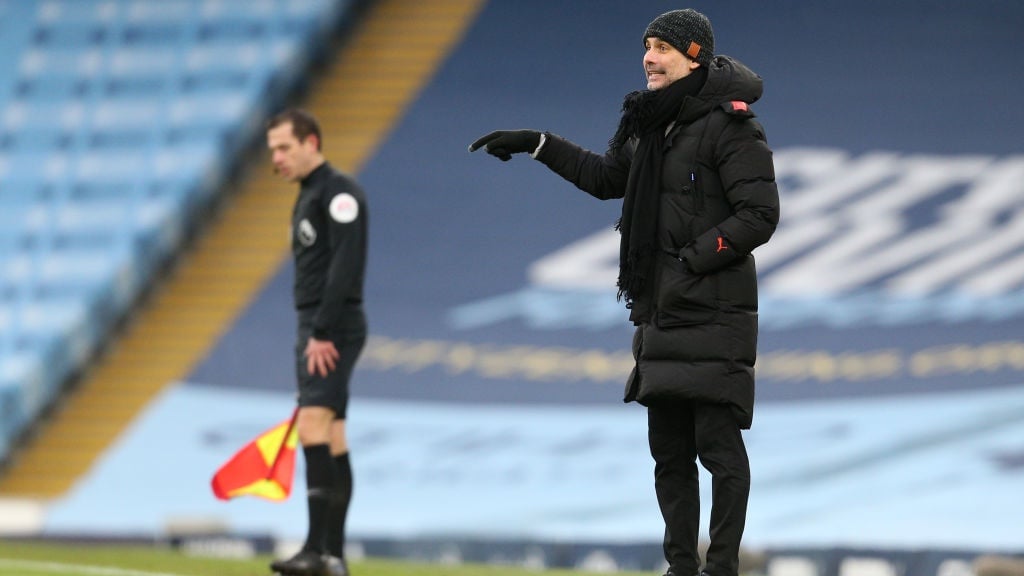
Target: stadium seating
119, 120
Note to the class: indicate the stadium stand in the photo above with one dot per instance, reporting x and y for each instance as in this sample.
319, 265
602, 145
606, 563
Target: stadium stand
857, 474
119, 120
236, 256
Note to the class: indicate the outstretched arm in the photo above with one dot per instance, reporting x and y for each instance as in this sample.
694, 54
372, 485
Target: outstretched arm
601, 176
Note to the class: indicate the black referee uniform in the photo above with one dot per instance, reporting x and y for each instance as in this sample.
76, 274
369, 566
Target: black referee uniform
329, 241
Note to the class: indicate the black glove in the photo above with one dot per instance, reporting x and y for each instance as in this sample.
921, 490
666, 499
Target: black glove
504, 143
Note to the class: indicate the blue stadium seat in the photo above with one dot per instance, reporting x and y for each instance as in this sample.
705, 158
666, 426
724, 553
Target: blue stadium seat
41, 125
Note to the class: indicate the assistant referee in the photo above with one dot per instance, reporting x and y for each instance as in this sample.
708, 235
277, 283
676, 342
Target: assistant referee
329, 239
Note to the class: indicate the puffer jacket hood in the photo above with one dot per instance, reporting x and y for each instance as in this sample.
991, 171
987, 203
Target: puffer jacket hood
728, 80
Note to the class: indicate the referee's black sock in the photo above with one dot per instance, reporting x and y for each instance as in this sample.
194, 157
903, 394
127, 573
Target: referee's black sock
340, 499
320, 478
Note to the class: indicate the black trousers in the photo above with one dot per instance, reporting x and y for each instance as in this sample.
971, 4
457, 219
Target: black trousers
679, 434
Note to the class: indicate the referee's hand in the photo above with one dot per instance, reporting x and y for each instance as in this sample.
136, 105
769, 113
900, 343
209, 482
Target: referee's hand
321, 357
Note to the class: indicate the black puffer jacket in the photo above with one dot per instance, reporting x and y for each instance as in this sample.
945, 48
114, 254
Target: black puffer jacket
718, 202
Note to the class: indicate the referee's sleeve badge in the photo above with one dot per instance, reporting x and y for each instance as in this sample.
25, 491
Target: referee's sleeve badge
344, 208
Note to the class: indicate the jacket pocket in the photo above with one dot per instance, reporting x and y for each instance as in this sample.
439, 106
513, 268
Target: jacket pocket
685, 298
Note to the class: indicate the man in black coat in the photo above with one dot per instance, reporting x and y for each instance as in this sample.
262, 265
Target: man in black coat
698, 186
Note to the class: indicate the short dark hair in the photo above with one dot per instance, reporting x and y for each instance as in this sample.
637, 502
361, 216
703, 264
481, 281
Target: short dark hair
303, 124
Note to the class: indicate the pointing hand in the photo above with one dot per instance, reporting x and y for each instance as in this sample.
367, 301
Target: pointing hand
504, 143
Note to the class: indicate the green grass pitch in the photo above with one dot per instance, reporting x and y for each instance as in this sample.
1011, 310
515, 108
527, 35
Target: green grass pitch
57, 559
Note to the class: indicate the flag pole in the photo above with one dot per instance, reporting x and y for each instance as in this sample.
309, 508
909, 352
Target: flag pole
284, 442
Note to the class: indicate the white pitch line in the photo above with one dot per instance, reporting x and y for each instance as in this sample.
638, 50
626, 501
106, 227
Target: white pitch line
77, 568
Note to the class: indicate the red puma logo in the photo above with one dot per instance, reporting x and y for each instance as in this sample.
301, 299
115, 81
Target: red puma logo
721, 245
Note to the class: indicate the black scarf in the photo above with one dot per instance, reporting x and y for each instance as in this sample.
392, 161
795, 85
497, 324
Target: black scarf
645, 115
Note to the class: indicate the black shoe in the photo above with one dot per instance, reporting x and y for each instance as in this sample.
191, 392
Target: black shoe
305, 563
335, 566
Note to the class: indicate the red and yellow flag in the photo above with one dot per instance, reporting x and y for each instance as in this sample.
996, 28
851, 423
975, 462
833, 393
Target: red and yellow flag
263, 468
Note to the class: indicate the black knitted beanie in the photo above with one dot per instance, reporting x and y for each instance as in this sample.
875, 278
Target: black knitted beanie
686, 30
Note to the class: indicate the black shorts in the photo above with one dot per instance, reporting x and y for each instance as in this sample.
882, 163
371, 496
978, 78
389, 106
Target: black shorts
330, 391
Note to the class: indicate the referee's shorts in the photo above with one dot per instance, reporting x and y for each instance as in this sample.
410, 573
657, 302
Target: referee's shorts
329, 391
